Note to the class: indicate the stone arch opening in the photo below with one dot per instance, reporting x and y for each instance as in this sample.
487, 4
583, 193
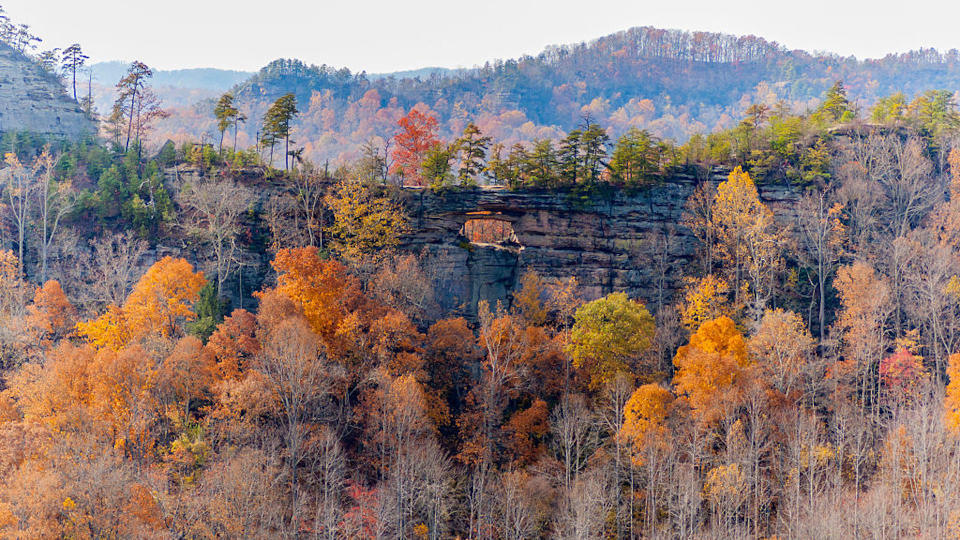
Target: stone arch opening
484, 227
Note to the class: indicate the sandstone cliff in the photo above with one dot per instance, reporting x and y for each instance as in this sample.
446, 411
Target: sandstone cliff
619, 241
33, 100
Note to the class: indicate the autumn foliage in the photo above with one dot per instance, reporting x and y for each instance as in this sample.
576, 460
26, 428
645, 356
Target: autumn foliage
417, 136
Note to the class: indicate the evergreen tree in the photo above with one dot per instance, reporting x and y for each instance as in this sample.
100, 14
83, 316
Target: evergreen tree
276, 124
72, 60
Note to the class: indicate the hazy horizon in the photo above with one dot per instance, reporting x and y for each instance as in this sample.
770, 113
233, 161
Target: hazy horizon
382, 38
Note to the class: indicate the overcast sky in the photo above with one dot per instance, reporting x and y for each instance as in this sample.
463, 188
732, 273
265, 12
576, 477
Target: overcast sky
380, 36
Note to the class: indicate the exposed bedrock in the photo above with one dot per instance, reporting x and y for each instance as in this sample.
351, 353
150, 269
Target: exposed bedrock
630, 241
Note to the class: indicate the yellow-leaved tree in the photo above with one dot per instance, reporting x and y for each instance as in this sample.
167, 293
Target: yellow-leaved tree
365, 221
705, 299
159, 304
747, 243
608, 334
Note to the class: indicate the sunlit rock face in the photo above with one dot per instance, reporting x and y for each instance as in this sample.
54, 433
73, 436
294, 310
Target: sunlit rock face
31, 99
620, 240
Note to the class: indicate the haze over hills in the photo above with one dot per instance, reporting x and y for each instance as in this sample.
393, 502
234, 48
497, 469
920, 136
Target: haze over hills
673, 83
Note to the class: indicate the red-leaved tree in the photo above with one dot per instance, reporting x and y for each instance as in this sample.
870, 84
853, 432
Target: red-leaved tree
417, 136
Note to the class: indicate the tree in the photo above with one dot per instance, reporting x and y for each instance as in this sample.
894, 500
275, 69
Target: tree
217, 209
321, 288
635, 157
20, 182
136, 102
51, 316
746, 241
72, 60
416, 138
366, 221
301, 381
782, 346
437, 166
56, 200
277, 124
865, 301
608, 335
49, 60
159, 303
704, 300
951, 401
835, 107
821, 235
645, 419
712, 369
472, 152
227, 115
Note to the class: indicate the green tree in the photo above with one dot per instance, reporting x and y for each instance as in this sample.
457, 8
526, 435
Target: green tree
635, 156
227, 115
72, 60
608, 334
472, 151
436, 167
276, 124
889, 109
540, 165
835, 106
935, 113
210, 310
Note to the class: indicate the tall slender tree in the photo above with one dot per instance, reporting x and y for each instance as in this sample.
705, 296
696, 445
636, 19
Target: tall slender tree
132, 100
227, 115
71, 61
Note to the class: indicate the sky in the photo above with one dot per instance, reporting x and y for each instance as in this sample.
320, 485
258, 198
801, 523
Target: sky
382, 36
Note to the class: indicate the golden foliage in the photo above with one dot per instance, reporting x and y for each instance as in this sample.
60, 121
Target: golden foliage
608, 334
645, 416
712, 368
160, 302
951, 402
365, 222
705, 299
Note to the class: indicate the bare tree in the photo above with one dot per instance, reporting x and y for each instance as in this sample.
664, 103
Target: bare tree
113, 268
575, 436
301, 380
819, 233
217, 208
55, 201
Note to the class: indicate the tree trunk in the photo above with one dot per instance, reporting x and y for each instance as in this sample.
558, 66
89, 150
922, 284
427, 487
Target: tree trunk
133, 100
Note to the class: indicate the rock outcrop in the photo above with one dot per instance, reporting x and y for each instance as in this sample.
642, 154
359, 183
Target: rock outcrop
31, 99
619, 241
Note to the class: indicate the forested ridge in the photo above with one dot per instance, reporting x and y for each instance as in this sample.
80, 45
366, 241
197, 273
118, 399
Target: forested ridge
672, 83
804, 383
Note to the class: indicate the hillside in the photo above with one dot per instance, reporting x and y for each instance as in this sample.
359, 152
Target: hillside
670, 82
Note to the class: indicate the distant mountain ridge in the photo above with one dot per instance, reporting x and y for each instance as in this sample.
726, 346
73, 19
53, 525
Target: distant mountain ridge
108, 73
671, 82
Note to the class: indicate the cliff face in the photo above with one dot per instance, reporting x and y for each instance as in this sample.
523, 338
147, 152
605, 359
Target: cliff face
33, 100
622, 241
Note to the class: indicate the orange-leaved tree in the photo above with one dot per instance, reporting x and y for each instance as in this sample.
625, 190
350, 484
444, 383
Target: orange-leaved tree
323, 289
159, 303
951, 402
51, 316
644, 420
712, 369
